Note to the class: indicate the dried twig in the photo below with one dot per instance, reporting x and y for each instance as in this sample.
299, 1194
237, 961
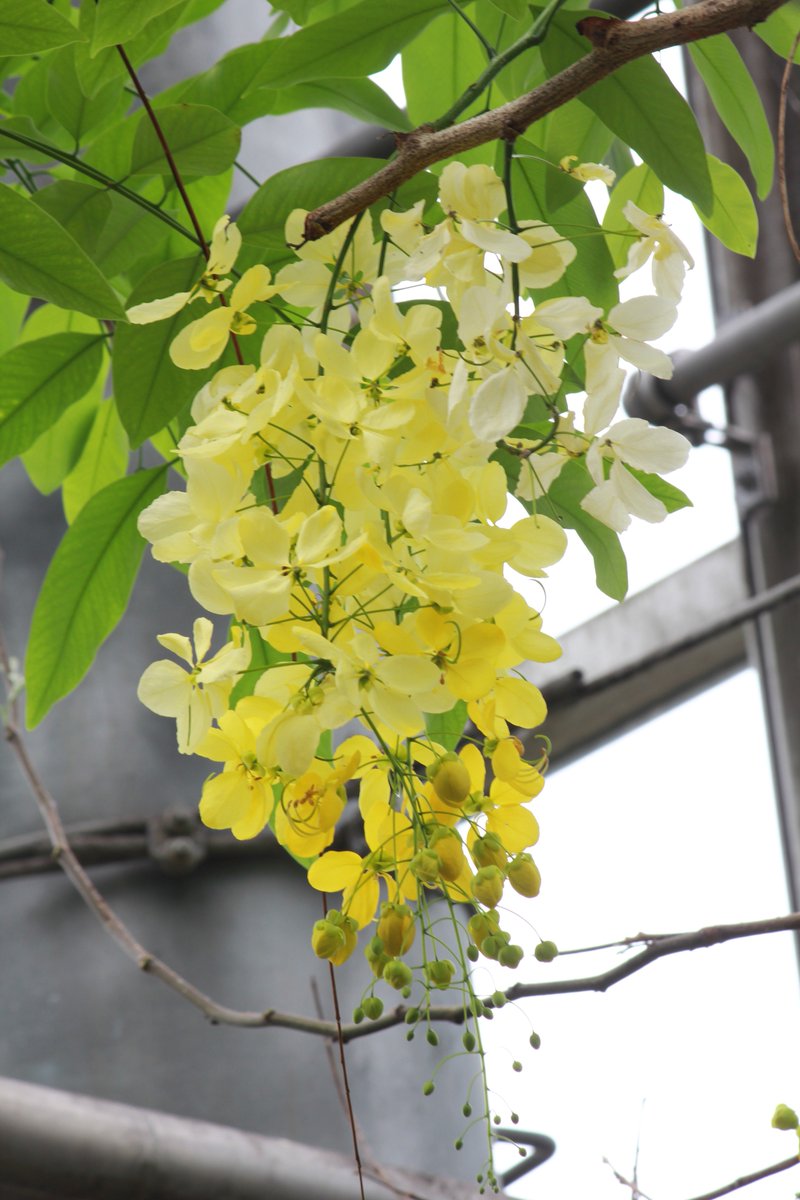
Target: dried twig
614, 44
746, 1180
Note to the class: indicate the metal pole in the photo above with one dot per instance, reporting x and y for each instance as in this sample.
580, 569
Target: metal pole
66, 1146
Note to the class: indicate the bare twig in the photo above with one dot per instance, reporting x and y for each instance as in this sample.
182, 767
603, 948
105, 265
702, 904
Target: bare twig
615, 43
746, 1180
782, 184
632, 1184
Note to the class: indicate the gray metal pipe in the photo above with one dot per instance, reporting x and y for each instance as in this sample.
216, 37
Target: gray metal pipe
65, 1146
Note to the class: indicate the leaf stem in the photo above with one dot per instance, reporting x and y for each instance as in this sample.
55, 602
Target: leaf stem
488, 47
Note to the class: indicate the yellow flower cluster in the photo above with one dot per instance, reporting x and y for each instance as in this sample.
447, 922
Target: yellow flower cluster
343, 508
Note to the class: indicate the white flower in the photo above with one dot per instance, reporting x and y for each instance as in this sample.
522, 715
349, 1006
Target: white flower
670, 256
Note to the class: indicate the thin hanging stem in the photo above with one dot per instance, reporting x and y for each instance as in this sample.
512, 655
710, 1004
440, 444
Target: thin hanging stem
173, 166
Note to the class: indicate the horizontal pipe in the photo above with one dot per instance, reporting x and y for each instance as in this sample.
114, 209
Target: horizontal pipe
65, 1146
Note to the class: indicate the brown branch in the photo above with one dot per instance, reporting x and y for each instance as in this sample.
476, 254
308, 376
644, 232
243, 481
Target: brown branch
614, 44
782, 184
746, 1180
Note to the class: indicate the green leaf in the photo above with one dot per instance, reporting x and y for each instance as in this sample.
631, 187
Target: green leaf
565, 495
736, 99
359, 98
360, 41
150, 390
114, 232
39, 258
202, 140
591, 273
31, 26
86, 589
69, 105
512, 8
447, 728
571, 129
39, 380
53, 455
732, 217
644, 108
670, 496
12, 310
440, 65
780, 29
646, 191
308, 185
104, 458
118, 21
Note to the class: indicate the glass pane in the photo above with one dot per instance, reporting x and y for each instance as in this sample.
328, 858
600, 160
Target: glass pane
669, 828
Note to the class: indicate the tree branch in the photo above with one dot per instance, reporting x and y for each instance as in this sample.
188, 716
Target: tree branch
746, 1180
615, 43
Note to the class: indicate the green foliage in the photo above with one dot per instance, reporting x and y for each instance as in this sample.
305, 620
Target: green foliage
732, 217
103, 459
440, 66
31, 26
447, 728
118, 20
202, 140
86, 589
149, 388
360, 41
565, 495
39, 258
738, 103
39, 380
643, 108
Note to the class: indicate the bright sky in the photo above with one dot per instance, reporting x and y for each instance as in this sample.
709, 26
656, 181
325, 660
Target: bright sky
661, 830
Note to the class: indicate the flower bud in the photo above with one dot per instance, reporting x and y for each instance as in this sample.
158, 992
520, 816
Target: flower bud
425, 866
511, 956
440, 972
481, 925
784, 1118
373, 1007
488, 851
449, 849
487, 886
349, 929
327, 939
450, 779
396, 928
397, 974
523, 875
546, 951
376, 956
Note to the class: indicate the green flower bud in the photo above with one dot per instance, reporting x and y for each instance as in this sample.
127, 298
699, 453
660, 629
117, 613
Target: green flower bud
535, 1041
784, 1118
511, 956
481, 925
488, 851
425, 866
473, 953
412, 1016
499, 999
376, 956
327, 939
358, 1016
440, 972
428, 1088
487, 886
396, 928
467, 1109
468, 1042
349, 929
432, 1037
373, 1007
449, 849
516, 1066
450, 779
397, 974
523, 875
546, 951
